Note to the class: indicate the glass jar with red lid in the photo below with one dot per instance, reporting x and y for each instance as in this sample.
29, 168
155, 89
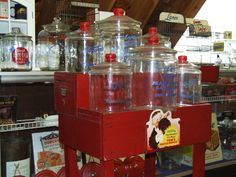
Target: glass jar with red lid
119, 34
79, 49
110, 85
189, 82
154, 75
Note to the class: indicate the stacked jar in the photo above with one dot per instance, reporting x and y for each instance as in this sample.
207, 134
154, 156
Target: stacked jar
152, 31
154, 75
79, 49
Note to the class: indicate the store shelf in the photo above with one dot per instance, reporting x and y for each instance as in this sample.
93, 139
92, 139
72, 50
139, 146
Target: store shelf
219, 98
30, 124
26, 77
185, 171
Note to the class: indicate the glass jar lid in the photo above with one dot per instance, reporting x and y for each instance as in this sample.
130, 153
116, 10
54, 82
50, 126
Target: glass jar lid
183, 62
111, 66
152, 51
153, 31
57, 26
83, 32
119, 20
16, 33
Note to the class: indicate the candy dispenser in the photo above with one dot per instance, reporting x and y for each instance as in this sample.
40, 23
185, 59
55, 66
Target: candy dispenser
79, 49
17, 51
110, 85
52, 40
154, 75
189, 82
119, 34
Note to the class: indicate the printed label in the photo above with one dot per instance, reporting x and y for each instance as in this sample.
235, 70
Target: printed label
20, 56
18, 168
163, 130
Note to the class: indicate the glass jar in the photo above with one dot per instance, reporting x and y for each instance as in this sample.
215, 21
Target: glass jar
42, 50
110, 85
119, 34
52, 51
189, 82
79, 49
17, 51
154, 75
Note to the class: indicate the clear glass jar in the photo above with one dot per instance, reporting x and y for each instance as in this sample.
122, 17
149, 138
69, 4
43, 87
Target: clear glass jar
189, 82
17, 51
43, 50
52, 39
154, 75
110, 85
79, 49
119, 34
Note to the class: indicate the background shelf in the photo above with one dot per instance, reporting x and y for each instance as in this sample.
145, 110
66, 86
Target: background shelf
30, 124
219, 98
26, 77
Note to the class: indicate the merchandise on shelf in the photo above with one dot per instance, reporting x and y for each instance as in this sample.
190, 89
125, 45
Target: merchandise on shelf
17, 51
51, 47
212, 89
15, 154
8, 105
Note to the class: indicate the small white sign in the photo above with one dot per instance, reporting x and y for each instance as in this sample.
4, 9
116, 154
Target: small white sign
171, 17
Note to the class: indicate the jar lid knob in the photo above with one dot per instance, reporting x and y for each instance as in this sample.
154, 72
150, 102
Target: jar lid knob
153, 38
152, 30
110, 57
182, 59
84, 26
119, 12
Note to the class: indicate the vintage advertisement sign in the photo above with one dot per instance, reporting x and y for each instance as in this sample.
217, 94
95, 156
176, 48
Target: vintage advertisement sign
163, 130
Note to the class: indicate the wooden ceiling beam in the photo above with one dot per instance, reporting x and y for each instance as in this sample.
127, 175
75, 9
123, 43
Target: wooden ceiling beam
106, 5
141, 10
48, 11
186, 8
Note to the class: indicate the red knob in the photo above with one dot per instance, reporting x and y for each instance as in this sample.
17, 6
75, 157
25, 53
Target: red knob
152, 30
110, 57
119, 12
84, 26
182, 59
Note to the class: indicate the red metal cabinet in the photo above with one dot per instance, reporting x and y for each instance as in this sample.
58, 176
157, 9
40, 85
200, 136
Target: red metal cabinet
109, 136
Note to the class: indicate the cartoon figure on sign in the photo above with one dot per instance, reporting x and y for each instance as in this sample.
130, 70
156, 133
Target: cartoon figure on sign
158, 123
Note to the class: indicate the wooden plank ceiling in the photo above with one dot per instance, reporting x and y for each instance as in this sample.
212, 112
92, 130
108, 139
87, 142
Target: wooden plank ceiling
146, 11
